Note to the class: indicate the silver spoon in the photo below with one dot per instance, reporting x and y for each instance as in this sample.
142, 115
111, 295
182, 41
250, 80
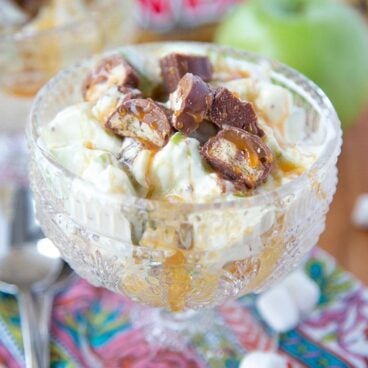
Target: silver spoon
24, 269
45, 303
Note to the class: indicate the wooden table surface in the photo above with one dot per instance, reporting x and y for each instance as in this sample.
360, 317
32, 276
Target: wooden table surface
347, 243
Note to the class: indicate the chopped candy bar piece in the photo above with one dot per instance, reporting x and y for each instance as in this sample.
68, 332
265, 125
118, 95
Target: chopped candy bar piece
113, 70
130, 93
227, 109
239, 156
190, 102
174, 66
142, 119
205, 131
111, 99
168, 112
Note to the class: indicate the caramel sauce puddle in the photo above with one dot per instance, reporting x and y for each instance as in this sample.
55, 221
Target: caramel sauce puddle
178, 281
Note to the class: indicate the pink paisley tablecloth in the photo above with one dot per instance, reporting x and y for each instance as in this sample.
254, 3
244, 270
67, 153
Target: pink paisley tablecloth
91, 327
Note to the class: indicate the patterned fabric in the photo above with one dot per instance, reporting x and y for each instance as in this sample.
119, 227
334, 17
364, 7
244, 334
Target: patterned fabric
91, 327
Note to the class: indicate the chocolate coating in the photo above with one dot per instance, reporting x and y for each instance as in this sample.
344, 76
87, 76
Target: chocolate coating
174, 66
239, 156
113, 70
129, 93
142, 119
227, 109
192, 101
205, 131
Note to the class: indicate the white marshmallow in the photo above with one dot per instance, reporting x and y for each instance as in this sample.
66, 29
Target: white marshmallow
260, 359
303, 290
360, 211
278, 309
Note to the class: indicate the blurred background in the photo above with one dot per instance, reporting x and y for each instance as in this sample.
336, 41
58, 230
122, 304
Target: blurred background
326, 40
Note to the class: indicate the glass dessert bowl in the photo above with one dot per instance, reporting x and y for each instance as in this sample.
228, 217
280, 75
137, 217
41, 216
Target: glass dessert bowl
174, 254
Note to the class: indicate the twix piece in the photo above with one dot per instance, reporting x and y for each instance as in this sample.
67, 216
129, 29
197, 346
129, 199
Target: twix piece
113, 70
190, 103
227, 109
128, 93
239, 156
109, 101
142, 119
205, 131
174, 66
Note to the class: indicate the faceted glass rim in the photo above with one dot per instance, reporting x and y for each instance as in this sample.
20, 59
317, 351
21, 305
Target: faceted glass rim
294, 80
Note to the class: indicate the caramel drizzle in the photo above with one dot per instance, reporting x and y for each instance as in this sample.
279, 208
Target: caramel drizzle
179, 282
244, 147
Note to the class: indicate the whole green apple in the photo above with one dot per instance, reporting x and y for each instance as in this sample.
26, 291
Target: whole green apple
325, 40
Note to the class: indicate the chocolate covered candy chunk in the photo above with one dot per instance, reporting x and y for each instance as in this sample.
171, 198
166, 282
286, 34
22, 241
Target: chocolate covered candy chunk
174, 66
205, 131
129, 93
142, 119
227, 109
190, 103
109, 101
168, 112
113, 70
239, 156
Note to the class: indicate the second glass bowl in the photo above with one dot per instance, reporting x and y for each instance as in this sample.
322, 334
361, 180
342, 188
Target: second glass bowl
28, 59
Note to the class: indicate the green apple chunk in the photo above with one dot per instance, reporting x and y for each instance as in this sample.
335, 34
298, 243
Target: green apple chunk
325, 40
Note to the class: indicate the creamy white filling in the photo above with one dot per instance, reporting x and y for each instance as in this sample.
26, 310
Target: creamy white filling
107, 100
228, 69
275, 102
243, 88
178, 173
76, 125
98, 167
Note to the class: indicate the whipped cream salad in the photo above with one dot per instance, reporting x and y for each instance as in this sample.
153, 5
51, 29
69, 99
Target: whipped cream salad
183, 127
183, 174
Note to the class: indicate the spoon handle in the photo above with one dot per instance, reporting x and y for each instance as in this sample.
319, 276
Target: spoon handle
45, 305
29, 329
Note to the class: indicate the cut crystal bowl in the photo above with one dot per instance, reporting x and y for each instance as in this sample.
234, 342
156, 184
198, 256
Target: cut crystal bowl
100, 235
